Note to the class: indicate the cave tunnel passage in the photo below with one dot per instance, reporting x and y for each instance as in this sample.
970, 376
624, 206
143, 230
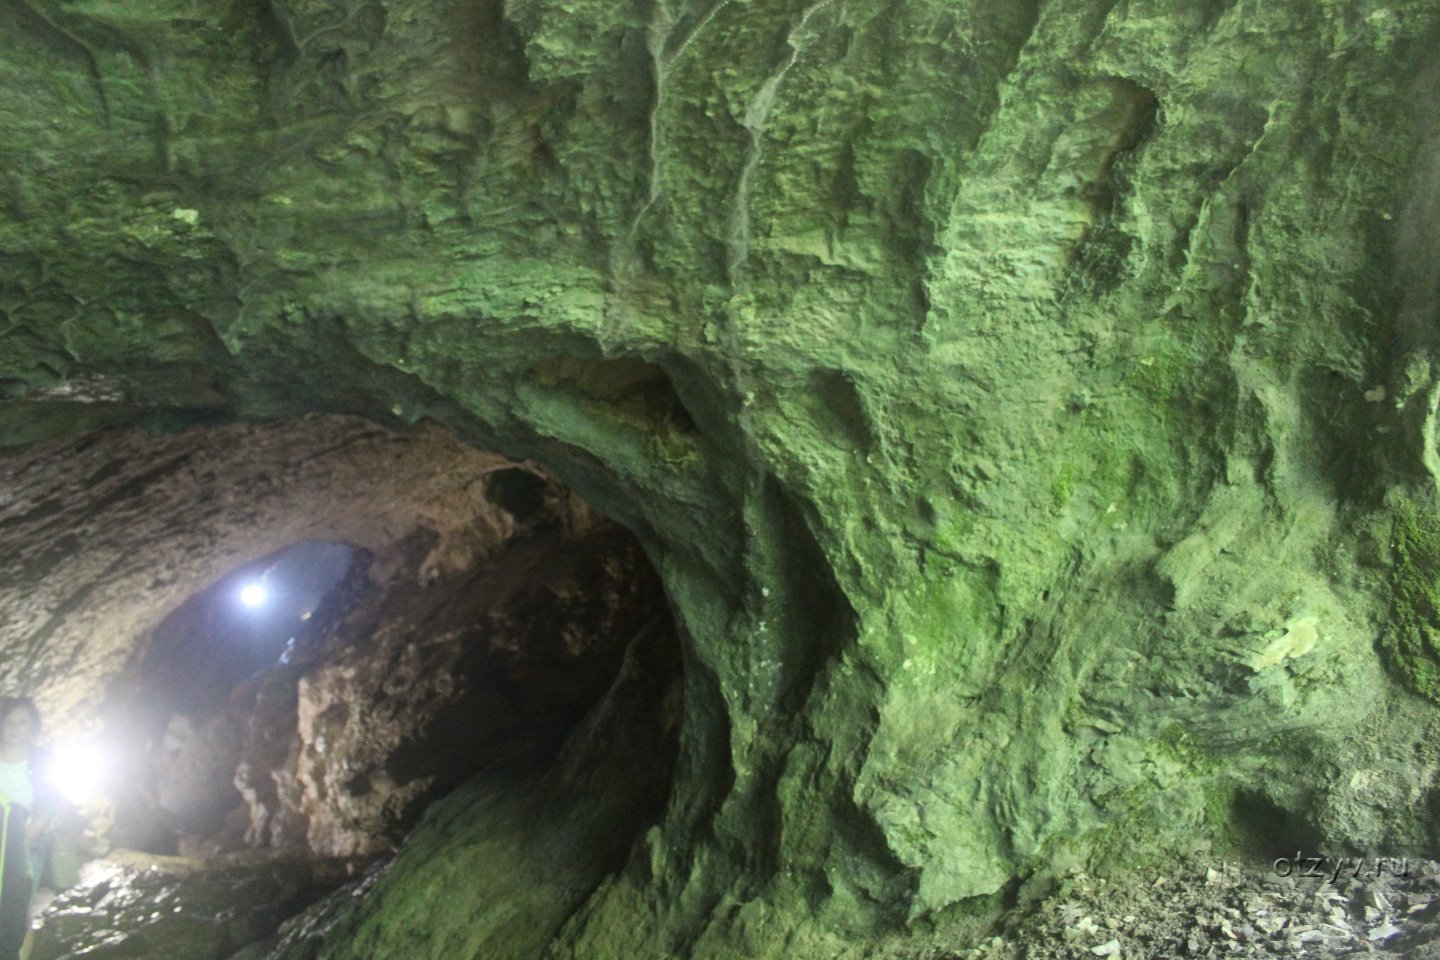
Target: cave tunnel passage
199, 662
444, 617
225, 635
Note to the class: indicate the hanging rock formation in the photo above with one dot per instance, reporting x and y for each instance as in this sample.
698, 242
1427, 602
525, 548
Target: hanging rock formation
1029, 407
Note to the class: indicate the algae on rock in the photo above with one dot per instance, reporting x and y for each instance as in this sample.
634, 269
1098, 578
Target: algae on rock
1005, 379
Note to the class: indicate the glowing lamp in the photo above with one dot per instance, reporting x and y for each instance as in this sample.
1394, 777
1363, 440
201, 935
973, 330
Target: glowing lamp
78, 771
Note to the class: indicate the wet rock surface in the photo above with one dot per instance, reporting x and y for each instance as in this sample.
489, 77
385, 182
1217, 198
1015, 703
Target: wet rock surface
300, 936
1212, 908
171, 908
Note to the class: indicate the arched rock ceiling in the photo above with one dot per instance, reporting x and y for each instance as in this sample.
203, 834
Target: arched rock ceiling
1037, 433
105, 535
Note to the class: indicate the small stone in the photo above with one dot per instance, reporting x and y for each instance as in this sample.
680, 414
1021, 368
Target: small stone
1212, 875
1110, 948
1384, 932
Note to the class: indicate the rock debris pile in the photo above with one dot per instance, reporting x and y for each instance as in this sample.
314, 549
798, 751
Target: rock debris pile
1224, 909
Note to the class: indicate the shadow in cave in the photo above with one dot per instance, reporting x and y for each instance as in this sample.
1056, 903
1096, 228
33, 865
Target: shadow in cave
1264, 831
531, 687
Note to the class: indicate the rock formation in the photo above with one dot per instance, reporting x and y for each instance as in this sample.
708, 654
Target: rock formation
488, 611
1029, 408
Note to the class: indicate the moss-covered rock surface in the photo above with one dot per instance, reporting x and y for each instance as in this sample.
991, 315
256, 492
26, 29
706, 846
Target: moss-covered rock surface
1030, 406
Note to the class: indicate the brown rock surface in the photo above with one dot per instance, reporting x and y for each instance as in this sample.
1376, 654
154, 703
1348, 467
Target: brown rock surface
424, 685
486, 611
102, 536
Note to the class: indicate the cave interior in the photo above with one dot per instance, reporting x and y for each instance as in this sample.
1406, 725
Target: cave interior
566, 480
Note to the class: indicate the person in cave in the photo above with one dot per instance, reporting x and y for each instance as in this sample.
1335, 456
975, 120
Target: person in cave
22, 802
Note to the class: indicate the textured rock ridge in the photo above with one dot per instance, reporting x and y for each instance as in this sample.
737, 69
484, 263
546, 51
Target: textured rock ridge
1029, 407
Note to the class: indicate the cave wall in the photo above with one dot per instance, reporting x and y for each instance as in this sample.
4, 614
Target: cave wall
421, 687
124, 554
101, 549
1029, 406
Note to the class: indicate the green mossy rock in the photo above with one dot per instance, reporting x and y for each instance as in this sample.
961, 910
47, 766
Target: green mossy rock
1008, 392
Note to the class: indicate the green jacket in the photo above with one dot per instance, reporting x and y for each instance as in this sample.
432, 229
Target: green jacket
35, 854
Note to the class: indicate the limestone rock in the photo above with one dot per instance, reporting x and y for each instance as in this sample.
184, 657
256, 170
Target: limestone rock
996, 386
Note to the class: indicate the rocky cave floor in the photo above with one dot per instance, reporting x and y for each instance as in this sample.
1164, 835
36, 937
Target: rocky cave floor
166, 908
1204, 907
131, 904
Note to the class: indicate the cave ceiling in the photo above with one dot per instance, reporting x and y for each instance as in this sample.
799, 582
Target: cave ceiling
1029, 407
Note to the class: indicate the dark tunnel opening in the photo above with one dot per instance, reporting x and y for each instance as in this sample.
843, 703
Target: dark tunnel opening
503, 636
184, 724
443, 676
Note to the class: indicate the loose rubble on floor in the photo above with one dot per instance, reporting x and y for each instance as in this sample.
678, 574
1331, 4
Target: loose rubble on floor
1293, 907
132, 904
172, 908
